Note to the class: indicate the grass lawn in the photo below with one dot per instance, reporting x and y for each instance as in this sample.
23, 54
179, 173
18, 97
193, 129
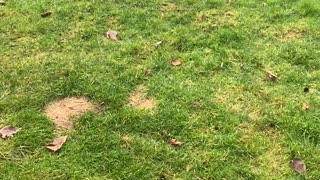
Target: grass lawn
235, 123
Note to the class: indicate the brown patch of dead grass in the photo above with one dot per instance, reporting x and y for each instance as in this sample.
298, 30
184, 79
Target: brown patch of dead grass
138, 99
215, 18
63, 112
289, 35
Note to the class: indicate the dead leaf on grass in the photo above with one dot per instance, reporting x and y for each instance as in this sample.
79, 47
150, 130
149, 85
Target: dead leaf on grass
305, 106
148, 72
57, 143
176, 62
46, 14
271, 76
126, 139
298, 165
174, 142
64, 111
113, 35
8, 131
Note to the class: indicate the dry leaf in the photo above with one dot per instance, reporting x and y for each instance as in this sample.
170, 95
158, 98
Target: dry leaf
148, 72
176, 62
8, 131
298, 165
271, 76
111, 34
158, 43
305, 106
46, 14
126, 139
174, 142
57, 143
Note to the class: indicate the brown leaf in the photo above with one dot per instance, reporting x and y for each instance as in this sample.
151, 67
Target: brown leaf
8, 131
126, 139
111, 34
46, 14
176, 62
305, 106
174, 142
148, 72
298, 165
271, 76
57, 143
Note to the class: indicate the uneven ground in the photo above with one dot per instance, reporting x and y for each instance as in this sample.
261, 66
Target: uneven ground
234, 122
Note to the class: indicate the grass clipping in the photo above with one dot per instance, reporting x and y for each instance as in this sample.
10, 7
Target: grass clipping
65, 111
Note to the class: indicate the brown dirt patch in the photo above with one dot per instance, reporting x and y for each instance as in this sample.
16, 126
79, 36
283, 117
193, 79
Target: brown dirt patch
63, 112
138, 99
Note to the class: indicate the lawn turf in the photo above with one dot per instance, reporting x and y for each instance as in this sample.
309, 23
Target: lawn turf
234, 122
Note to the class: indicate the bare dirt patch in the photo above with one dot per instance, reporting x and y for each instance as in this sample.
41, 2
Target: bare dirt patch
63, 112
139, 99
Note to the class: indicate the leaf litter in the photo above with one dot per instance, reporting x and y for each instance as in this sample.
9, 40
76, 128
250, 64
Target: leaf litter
126, 139
176, 62
113, 35
174, 142
298, 165
305, 106
57, 143
148, 72
8, 131
271, 76
46, 14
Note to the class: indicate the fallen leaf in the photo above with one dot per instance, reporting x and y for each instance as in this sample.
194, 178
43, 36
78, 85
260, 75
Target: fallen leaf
126, 139
158, 43
306, 90
111, 34
148, 72
271, 76
230, 2
46, 14
57, 143
176, 62
305, 106
174, 142
2, 3
8, 131
298, 165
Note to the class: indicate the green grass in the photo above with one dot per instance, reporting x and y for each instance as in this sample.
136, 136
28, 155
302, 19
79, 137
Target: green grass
234, 123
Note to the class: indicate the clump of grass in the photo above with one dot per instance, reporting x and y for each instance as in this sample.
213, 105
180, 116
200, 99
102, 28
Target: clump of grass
309, 7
